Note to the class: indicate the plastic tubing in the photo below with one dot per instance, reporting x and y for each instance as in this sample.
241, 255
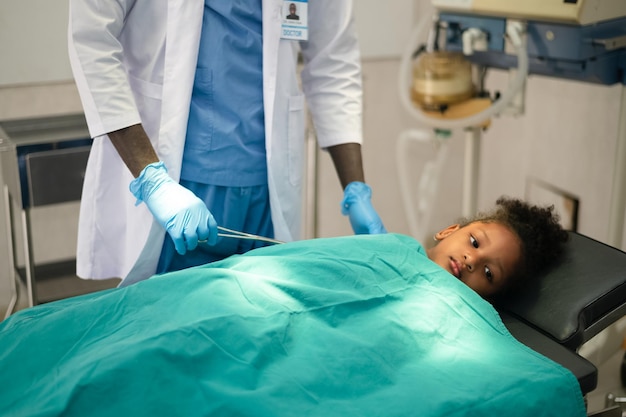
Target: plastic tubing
419, 211
514, 31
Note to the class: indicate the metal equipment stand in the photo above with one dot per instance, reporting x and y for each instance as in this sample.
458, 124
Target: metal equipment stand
618, 192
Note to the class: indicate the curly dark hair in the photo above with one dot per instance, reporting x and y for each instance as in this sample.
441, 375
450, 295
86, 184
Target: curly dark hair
538, 228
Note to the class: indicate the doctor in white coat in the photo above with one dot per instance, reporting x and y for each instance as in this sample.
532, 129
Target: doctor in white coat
134, 62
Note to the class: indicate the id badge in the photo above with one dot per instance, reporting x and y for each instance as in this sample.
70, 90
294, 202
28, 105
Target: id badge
295, 20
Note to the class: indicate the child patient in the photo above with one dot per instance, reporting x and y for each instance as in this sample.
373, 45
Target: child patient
494, 251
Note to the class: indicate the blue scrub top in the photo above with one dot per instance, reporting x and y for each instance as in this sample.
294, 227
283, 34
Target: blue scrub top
225, 143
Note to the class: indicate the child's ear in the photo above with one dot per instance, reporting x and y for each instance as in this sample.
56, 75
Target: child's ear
442, 234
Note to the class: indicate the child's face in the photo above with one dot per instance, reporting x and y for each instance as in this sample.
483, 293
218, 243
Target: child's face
482, 255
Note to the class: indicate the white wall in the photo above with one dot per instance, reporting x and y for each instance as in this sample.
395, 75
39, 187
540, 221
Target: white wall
33, 41
384, 27
567, 137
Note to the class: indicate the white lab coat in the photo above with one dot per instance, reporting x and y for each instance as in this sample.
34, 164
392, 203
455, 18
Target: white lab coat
134, 62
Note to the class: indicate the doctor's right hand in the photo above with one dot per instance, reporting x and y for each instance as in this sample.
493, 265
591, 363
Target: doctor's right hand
183, 215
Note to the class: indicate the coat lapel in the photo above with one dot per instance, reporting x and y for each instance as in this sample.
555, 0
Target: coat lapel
272, 10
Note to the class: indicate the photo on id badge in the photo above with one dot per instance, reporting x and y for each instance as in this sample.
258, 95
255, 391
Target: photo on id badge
294, 24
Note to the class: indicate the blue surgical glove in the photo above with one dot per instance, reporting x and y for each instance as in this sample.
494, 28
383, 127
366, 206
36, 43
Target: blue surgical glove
183, 215
357, 203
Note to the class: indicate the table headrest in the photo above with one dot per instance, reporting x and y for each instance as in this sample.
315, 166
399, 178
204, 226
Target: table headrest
583, 294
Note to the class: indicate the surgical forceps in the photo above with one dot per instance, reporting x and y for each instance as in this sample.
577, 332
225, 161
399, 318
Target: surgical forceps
242, 235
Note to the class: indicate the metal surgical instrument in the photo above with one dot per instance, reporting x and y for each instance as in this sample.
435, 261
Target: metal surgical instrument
241, 235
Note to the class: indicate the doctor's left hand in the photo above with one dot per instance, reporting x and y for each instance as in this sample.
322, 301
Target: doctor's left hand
357, 204
183, 215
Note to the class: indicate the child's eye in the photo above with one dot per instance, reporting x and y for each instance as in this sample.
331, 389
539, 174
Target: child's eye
488, 274
473, 241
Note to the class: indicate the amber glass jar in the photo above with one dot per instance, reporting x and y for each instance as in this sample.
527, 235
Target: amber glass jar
441, 78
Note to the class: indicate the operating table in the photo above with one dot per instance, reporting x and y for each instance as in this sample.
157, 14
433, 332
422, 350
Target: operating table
556, 314
357, 322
